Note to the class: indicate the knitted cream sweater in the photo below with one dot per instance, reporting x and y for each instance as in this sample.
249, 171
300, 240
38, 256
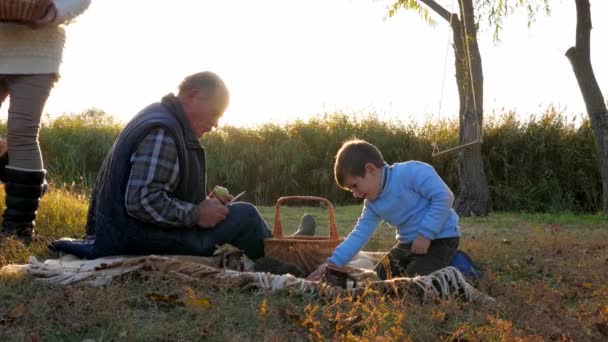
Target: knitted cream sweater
27, 51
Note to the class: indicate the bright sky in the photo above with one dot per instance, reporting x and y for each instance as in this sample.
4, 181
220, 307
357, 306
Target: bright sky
287, 59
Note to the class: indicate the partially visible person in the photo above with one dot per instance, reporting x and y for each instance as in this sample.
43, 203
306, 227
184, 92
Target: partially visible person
409, 196
30, 56
149, 196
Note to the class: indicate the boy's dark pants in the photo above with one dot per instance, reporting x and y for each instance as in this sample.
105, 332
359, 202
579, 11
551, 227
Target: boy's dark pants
401, 262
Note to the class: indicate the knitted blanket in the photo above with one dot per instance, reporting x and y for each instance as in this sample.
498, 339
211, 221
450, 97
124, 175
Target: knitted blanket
444, 283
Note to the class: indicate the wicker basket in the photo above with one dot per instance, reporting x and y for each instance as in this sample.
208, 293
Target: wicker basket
306, 252
23, 10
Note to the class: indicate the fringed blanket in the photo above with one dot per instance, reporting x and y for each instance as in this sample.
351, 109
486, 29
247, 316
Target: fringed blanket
444, 283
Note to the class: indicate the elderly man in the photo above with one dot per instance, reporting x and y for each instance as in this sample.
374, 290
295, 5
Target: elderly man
149, 197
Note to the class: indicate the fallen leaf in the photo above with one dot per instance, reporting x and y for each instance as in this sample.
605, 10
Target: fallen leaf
537, 229
349, 323
190, 294
11, 315
555, 228
203, 303
17, 311
162, 298
584, 285
602, 327
264, 307
195, 302
290, 314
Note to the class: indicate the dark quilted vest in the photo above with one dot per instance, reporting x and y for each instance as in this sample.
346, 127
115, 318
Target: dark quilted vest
117, 232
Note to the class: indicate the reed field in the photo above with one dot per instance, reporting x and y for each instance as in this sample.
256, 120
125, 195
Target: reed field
544, 248
542, 164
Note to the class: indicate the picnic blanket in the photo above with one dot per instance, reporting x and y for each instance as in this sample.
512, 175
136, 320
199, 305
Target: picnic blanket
68, 269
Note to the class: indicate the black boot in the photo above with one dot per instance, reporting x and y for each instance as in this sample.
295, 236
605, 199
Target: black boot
4, 163
23, 191
307, 226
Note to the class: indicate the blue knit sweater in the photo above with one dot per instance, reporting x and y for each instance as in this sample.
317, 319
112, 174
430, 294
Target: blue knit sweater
413, 199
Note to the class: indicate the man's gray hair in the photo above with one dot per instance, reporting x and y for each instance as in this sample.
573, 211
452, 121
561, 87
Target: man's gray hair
205, 82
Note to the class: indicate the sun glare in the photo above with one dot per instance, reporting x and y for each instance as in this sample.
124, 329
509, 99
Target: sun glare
284, 60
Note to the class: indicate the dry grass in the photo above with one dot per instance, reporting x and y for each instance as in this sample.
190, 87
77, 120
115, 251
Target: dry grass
548, 273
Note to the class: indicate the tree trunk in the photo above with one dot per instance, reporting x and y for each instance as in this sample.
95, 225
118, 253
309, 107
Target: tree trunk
580, 59
474, 197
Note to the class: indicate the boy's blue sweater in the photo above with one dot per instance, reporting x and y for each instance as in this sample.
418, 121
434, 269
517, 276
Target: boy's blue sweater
413, 199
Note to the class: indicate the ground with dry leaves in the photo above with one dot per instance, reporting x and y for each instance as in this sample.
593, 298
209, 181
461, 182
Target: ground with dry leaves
549, 273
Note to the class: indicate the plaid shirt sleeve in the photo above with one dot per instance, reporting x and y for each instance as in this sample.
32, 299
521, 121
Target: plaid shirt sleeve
154, 174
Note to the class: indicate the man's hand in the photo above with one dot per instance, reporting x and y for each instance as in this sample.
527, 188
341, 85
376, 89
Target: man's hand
221, 194
421, 245
317, 275
211, 212
48, 17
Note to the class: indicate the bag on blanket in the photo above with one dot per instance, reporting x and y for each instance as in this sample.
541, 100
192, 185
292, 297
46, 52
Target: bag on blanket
466, 266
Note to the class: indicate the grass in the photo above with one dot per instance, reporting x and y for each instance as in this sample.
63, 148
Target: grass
547, 271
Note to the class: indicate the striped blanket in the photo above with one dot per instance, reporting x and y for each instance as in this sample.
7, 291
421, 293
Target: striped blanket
444, 283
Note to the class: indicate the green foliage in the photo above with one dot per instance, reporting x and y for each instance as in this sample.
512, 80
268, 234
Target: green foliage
491, 11
414, 5
545, 164
74, 145
542, 164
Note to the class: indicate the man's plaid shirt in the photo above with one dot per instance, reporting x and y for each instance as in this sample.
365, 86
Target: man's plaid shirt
154, 175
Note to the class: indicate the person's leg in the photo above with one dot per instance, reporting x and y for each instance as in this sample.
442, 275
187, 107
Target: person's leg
3, 148
24, 174
439, 255
28, 95
243, 228
394, 264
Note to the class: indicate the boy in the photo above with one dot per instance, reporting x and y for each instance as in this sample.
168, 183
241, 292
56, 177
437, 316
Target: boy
409, 196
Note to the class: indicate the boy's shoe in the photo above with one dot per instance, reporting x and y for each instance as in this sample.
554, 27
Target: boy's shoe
307, 226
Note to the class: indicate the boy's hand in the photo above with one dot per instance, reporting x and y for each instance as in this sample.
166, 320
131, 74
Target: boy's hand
421, 245
317, 275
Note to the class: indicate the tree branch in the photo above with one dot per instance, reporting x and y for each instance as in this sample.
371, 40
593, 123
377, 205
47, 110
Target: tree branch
445, 14
583, 29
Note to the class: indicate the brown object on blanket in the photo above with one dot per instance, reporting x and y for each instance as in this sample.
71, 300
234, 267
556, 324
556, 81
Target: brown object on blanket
306, 252
23, 10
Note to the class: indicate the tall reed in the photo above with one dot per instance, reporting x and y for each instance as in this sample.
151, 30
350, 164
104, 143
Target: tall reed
544, 163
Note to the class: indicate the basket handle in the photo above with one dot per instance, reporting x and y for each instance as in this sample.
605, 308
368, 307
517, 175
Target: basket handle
278, 227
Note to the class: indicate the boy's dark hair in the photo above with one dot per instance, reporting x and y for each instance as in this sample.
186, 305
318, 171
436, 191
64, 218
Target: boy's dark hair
352, 157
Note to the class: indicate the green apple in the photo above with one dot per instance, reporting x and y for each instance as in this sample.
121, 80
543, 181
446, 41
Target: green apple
220, 191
